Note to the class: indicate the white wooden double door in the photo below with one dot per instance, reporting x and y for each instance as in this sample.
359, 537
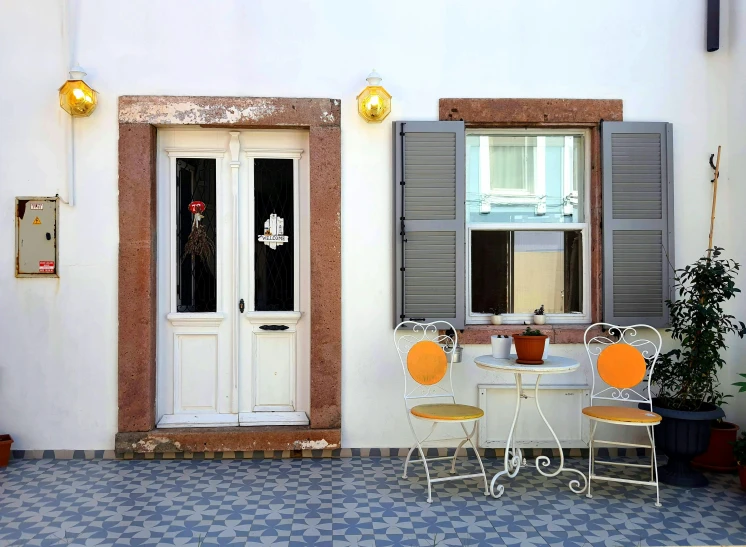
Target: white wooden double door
233, 337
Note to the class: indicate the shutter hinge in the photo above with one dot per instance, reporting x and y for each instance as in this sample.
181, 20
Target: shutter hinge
401, 133
241, 305
402, 183
402, 269
402, 316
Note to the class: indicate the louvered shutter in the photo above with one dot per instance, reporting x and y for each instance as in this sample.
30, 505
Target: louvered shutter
429, 221
637, 221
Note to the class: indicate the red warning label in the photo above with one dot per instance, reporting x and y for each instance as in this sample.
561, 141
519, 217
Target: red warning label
46, 266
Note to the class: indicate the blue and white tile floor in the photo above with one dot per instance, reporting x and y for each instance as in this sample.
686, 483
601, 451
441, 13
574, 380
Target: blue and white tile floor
349, 501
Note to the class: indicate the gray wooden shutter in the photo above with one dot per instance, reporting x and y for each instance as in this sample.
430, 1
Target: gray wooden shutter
429, 221
637, 221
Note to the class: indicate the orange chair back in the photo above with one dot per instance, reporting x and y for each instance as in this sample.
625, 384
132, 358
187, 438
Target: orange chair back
621, 366
427, 363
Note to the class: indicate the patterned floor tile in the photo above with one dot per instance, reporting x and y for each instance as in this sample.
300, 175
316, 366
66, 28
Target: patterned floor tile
340, 502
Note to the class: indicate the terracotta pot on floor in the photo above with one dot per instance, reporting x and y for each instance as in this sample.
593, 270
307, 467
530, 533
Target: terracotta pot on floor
5, 442
719, 455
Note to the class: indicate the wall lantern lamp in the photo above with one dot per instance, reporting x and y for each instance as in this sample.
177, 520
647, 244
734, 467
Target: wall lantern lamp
77, 98
374, 102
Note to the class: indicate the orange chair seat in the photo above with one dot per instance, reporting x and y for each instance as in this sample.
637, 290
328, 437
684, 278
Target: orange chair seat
622, 414
447, 412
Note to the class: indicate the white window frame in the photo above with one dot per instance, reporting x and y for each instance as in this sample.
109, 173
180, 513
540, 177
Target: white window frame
584, 227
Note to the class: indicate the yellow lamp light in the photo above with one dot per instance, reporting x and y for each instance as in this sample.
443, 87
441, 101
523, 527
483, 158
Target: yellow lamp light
77, 98
374, 102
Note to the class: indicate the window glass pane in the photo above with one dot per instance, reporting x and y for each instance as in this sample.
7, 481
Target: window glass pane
273, 216
196, 278
518, 271
525, 178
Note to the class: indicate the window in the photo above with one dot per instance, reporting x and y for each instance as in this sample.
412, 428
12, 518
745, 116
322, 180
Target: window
196, 279
527, 233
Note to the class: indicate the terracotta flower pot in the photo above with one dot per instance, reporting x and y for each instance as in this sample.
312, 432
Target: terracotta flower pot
5, 442
742, 475
719, 455
529, 349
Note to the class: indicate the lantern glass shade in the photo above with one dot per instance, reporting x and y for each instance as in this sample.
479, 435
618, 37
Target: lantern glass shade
77, 98
374, 103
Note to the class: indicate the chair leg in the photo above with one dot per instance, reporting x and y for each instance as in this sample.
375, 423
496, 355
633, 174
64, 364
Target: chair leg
406, 462
455, 455
479, 458
427, 474
651, 435
591, 457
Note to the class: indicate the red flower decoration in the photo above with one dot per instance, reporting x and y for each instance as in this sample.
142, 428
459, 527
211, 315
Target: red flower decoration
197, 207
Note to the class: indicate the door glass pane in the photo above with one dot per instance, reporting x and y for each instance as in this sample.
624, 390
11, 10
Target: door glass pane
273, 222
196, 278
525, 178
518, 271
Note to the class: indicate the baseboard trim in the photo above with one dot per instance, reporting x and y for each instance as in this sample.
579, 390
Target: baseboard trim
336, 453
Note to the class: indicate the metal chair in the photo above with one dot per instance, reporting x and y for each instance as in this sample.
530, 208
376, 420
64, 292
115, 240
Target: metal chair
428, 375
621, 366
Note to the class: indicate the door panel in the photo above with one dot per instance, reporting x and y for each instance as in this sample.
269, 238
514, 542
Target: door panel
274, 355
196, 372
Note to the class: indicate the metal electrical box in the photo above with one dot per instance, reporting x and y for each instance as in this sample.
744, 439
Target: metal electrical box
36, 237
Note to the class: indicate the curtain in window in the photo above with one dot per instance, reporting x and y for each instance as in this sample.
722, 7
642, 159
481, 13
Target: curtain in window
512, 164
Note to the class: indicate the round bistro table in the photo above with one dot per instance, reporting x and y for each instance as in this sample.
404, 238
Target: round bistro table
513, 455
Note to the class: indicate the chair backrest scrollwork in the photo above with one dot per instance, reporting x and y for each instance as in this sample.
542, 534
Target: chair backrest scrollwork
623, 360
426, 357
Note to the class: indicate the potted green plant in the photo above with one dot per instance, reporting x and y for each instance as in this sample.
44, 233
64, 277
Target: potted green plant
529, 346
539, 317
739, 451
686, 377
496, 318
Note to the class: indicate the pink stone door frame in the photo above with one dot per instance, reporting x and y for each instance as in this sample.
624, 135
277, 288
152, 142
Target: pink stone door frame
138, 118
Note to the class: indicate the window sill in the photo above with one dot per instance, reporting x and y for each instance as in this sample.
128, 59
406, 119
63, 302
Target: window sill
558, 333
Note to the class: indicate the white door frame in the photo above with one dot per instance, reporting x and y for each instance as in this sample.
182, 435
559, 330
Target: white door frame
234, 341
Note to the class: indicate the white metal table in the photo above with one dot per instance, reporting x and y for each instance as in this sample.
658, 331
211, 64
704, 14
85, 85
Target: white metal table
513, 455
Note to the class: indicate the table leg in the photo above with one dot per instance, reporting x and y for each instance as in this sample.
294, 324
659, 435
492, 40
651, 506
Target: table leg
544, 461
513, 455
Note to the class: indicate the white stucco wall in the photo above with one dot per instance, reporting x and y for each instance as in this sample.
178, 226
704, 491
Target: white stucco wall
58, 369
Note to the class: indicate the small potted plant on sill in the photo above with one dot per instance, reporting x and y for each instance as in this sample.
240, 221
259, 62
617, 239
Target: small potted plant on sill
529, 346
739, 451
496, 318
686, 377
539, 317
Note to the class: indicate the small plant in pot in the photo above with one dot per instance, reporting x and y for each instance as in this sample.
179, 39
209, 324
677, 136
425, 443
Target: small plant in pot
496, 318
539, 317
529, 346
739, 451
686, 377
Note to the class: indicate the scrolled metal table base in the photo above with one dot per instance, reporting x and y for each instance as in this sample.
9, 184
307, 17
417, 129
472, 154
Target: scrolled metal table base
514, 456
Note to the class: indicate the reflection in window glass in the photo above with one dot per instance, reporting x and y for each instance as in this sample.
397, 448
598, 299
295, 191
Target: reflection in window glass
518, 271
525, 178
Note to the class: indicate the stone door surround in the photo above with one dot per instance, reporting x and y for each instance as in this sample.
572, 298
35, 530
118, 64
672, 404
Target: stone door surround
139, 116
